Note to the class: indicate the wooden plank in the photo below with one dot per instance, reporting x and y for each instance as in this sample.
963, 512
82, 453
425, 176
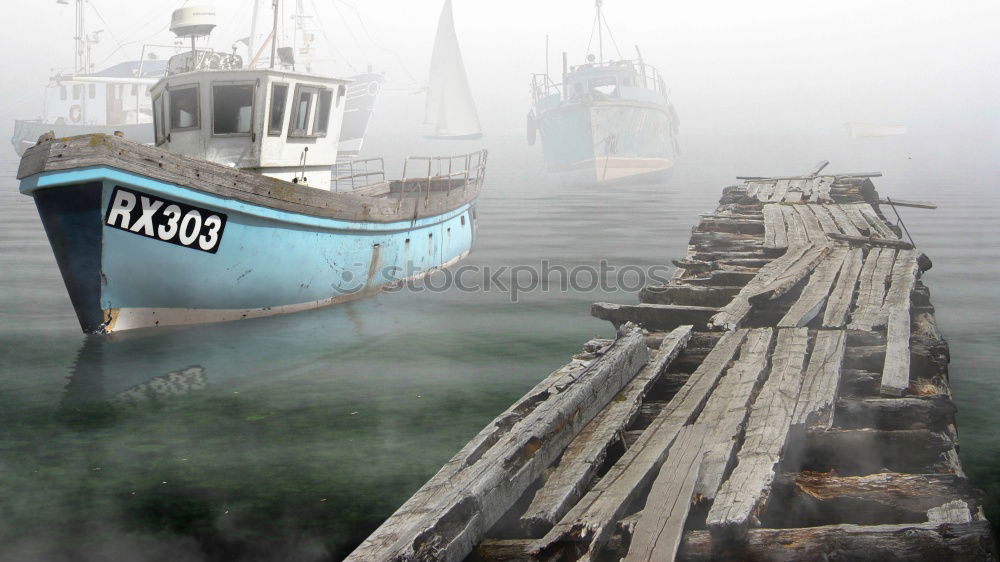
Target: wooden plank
765, 191
905, 450
844, 222
815, 406
908, 541
792, 276
901, 282
822, 192
839, 302
589, 525
733, 313
780, 189
825, 218
857, 219
813, 229
955, 512
450, 514
879, 226
654, 316
871, 290
796, 230
586, 453
816, 292
905, 203
753, 188
727, 410
658, 532
748, 487
689, 295
871, 241
774, 227
896, 372
793, 197
918, 412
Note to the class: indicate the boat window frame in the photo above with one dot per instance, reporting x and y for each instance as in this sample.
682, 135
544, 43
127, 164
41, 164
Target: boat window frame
271, 132
170, 108
318, 112
253, 105
293, 116
159, 131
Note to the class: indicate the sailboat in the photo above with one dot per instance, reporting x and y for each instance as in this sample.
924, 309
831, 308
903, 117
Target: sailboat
450, 107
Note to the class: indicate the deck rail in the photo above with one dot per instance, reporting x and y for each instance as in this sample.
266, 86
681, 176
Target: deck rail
444, 172
358, 172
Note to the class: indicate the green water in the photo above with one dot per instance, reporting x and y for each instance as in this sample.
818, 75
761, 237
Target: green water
299, 434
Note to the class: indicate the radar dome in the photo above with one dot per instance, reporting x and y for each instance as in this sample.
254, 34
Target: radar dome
193, 21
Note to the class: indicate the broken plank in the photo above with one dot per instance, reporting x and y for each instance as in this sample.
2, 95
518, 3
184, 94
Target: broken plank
748, 487
816, 292
839, 303
905, 203
452, 512
825, 218
871, 289
821, 382
727, 410
589, 525
774, 227
731, 315
797, 235
871, 241
843, 221
765, 191
879, 226
910, 541
896, 372
585, 454
653, 316
792, 276
780, 189
658, 533
793, 197
856, 218
813, 228
904, 276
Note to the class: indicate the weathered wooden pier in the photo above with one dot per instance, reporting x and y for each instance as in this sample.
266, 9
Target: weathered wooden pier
784, 397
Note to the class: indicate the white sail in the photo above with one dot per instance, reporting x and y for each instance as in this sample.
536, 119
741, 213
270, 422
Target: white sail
450, 107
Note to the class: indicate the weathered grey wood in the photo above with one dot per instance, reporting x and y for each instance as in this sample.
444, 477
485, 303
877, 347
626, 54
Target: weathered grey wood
871, 241
216, 179
821, 193
896, 372
728, 408
765, 191
793, 197
731, 315
819, 167
825, 219
792, 276
903, 278
816, 291
796, 231
735, 226
879, 226
689, 295
653, 316
871, 290
450, 514
925, 412
813, 229
839, 303
905, 542
587, 527
780, 189
815, 405
586, 453
905, 203
909, 450
747, 488
753, 188
857, 219
774, 227
658, 532
844, 222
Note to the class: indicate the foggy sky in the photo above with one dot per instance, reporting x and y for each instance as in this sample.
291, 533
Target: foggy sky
772, 67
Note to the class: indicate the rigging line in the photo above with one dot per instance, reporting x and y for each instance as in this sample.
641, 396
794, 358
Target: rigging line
592, 28
349, 30
613, 42
107, 27
329, 43
364, 28
167, 4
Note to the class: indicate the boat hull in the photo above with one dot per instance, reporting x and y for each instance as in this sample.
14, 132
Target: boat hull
26, 132
266, 261
607, 141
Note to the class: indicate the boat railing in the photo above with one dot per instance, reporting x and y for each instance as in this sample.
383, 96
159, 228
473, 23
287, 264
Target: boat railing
542, 86
203, 59
355, 173
443, 173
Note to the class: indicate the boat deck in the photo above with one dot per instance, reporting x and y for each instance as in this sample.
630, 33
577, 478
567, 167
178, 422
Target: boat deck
784, 397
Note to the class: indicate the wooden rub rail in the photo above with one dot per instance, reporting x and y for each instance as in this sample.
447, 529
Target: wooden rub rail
784, 397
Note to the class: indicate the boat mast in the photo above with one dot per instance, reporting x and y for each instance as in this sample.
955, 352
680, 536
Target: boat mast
80, 61
274, 33
253, 28
600, 32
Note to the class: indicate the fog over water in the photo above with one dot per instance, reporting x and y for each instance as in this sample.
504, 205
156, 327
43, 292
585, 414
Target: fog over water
294, 436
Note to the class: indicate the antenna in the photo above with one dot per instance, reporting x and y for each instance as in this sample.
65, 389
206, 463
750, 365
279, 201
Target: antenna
600, 31
193, 22
274, 33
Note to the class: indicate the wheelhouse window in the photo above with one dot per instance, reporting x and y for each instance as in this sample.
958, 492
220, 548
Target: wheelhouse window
184, 112
302, 104
276, 117
62, 93
232, 108
322, 121
158, 120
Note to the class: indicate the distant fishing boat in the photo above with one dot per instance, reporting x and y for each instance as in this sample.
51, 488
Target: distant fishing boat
856, 129
231, 215
450, 107
606, 120
88, 101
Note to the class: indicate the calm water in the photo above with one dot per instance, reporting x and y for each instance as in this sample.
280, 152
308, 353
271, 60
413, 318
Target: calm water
291, 438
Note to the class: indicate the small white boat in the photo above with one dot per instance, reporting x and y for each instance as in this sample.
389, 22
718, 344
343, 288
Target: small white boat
856, 129
450, 107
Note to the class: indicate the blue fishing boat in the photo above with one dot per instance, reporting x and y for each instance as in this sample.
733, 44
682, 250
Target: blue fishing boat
606, 120
236, 212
